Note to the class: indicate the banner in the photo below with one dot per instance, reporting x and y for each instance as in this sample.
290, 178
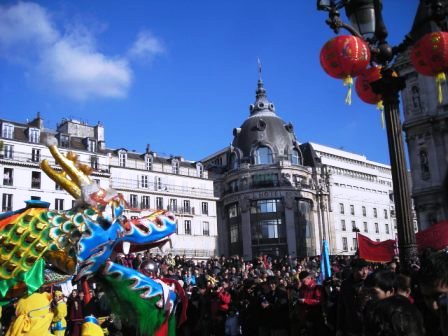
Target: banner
435, 237
375, 251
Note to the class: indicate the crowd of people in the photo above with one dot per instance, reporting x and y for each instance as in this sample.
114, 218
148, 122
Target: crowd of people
271, 296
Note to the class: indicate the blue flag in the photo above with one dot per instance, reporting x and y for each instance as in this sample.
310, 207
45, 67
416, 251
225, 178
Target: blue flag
325, 267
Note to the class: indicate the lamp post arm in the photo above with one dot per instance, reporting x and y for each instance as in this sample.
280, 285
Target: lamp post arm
335, 23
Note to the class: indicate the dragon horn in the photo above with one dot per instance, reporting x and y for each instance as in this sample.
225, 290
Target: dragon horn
61, 179
76, 172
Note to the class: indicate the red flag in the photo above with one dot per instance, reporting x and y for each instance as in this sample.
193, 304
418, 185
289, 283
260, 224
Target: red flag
436, 237
375, 251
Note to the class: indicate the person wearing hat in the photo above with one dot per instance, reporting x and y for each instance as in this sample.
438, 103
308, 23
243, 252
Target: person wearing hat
91, 327
308, 307
349, 314
59, 323
33, 316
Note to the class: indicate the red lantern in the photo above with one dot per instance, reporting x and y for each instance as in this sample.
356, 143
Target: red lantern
344, 57
429, 56
363, 87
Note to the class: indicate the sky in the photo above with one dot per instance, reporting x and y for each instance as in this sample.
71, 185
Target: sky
180, 75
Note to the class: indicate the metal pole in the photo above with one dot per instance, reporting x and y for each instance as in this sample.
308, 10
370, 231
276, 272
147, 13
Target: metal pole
389, 87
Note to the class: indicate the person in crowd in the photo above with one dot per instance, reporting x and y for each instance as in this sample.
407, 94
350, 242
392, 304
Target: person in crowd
232, 324
403, 286
382, 283
75, 313
309, 305
393, 316
276, 307
349, 316
59, 324
33, 316
433, 278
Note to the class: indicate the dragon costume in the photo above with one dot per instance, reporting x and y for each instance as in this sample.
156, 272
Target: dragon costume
39, 245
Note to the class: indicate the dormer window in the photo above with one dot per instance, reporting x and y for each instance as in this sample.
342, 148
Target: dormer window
34, 135
295, 157
200, 170
263, 155
7, 131
148, 162
122, 157
64, 140
233, 161
175, 166
91, 145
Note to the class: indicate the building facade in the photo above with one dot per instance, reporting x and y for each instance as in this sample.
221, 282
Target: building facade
146, 180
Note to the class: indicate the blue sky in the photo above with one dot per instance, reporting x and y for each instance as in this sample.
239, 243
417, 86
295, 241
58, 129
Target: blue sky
180, 75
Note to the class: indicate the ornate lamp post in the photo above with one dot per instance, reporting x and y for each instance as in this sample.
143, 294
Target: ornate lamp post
367, 23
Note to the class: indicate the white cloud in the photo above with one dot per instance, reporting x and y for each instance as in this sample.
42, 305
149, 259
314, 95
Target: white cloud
67, 62
146, 46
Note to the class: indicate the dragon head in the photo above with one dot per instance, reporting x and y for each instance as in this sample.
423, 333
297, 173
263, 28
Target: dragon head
104, 228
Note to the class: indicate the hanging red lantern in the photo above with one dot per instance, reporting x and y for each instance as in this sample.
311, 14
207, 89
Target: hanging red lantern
345, 57
429, 56
363, 87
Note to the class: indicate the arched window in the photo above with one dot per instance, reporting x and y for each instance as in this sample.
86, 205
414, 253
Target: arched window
295, 157
233, 161
263, 155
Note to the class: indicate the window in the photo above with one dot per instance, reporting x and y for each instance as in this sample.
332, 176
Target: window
344, 244
233, 210
91, 145
34, 135
158, 183
122, 159
8, 151
387, 228
295, 157
364, 211
187, 206
200, 169
148, 162
145, 202
175, 166
377, 229
58, 187
59, 204
8, 176
97, 181
7, 131
355, 243
6, 202
133, 202
144, 181
341, 208
94, 162
263, 155
385, 213
64, 141
159, 203
187, 225
265, 206
35, 155
206, 228
35, 198
173, 205
35, 180
352, 209
233, 161
354, 228
366, 229
204, 208
234, 236
375, 213
73, 203
343, 227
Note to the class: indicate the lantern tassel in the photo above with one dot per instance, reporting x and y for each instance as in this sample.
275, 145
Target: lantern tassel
440, 79
348, 81
380, 107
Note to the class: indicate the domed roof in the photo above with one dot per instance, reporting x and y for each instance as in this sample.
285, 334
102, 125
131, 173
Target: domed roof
263, 128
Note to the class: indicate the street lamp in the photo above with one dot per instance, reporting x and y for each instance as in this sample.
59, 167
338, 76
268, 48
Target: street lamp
367, 22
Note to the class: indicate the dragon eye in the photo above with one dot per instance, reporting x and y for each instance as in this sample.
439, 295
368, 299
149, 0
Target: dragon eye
158, 221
